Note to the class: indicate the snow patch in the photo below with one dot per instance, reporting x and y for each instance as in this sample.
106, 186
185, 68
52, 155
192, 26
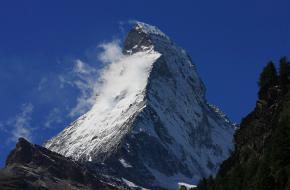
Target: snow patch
124, 163
132, 185
186, 185
169, 182
196, 136
120, 97
149, 29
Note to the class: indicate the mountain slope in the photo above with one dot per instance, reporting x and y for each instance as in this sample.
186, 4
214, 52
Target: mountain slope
155, 130
32, 167
261, 159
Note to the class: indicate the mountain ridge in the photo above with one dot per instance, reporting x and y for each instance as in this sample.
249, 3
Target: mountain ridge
165, 132
260, 160
32, 167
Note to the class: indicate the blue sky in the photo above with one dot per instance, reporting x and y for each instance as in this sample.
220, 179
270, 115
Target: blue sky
40, 42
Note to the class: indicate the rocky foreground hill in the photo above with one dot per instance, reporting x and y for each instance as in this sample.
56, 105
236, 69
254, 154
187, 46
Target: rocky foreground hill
261, 160
32, 167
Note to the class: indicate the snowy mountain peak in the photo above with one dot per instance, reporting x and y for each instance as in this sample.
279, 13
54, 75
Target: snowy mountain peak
149, 29
151, 125
173, 61
143, 36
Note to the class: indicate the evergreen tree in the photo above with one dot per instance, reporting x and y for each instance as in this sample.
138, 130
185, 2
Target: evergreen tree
264, 179
268, 79
282, 179
284, 74
261, 160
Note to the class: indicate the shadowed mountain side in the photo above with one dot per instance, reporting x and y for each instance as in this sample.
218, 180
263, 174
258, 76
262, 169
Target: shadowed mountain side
261, 160
33, 167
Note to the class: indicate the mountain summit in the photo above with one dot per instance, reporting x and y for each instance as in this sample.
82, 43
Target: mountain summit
156, 130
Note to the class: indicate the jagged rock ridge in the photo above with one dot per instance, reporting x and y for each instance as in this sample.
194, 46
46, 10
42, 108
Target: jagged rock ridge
261, 159
158, 130
32, 167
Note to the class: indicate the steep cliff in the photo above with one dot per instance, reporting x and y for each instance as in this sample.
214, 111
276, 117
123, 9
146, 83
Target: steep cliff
156, 130
261, 159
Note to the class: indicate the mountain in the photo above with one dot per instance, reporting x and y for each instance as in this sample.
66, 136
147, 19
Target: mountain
151, 125
32, 167
261, 159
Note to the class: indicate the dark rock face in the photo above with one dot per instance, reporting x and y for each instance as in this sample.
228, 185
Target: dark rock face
33, 167
135, 40
261, 159
165, 134
150, 156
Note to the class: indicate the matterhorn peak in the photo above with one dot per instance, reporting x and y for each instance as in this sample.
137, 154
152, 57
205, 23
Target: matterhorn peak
143, 36
151, 125
149, 29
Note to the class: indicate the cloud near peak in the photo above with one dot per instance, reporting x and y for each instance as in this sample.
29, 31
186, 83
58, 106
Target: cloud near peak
19, 125
88, 78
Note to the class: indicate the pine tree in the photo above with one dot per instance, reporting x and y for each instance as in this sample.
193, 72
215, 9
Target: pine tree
268, 79
284, 74
261, 162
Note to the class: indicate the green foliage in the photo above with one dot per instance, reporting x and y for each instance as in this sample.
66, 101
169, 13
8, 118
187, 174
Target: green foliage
203, 184
282, 178
284, 74
268, 76
280, 155
265, 180
262, 164
268, 79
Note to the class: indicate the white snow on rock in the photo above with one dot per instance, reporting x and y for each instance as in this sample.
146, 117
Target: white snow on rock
124, 163
149, 29
150, 113
187, 186
132, 185
121, 97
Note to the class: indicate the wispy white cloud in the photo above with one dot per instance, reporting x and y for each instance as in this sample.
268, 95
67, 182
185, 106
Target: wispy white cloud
83, 77
112, 52
90, 78
54, 117
85, 80
19, 125
61, 81
82, 68
86, 76
41, 83
123, 24
121, 75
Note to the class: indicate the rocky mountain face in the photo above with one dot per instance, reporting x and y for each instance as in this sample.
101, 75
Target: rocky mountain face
32, 167
261, 159
153, 131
